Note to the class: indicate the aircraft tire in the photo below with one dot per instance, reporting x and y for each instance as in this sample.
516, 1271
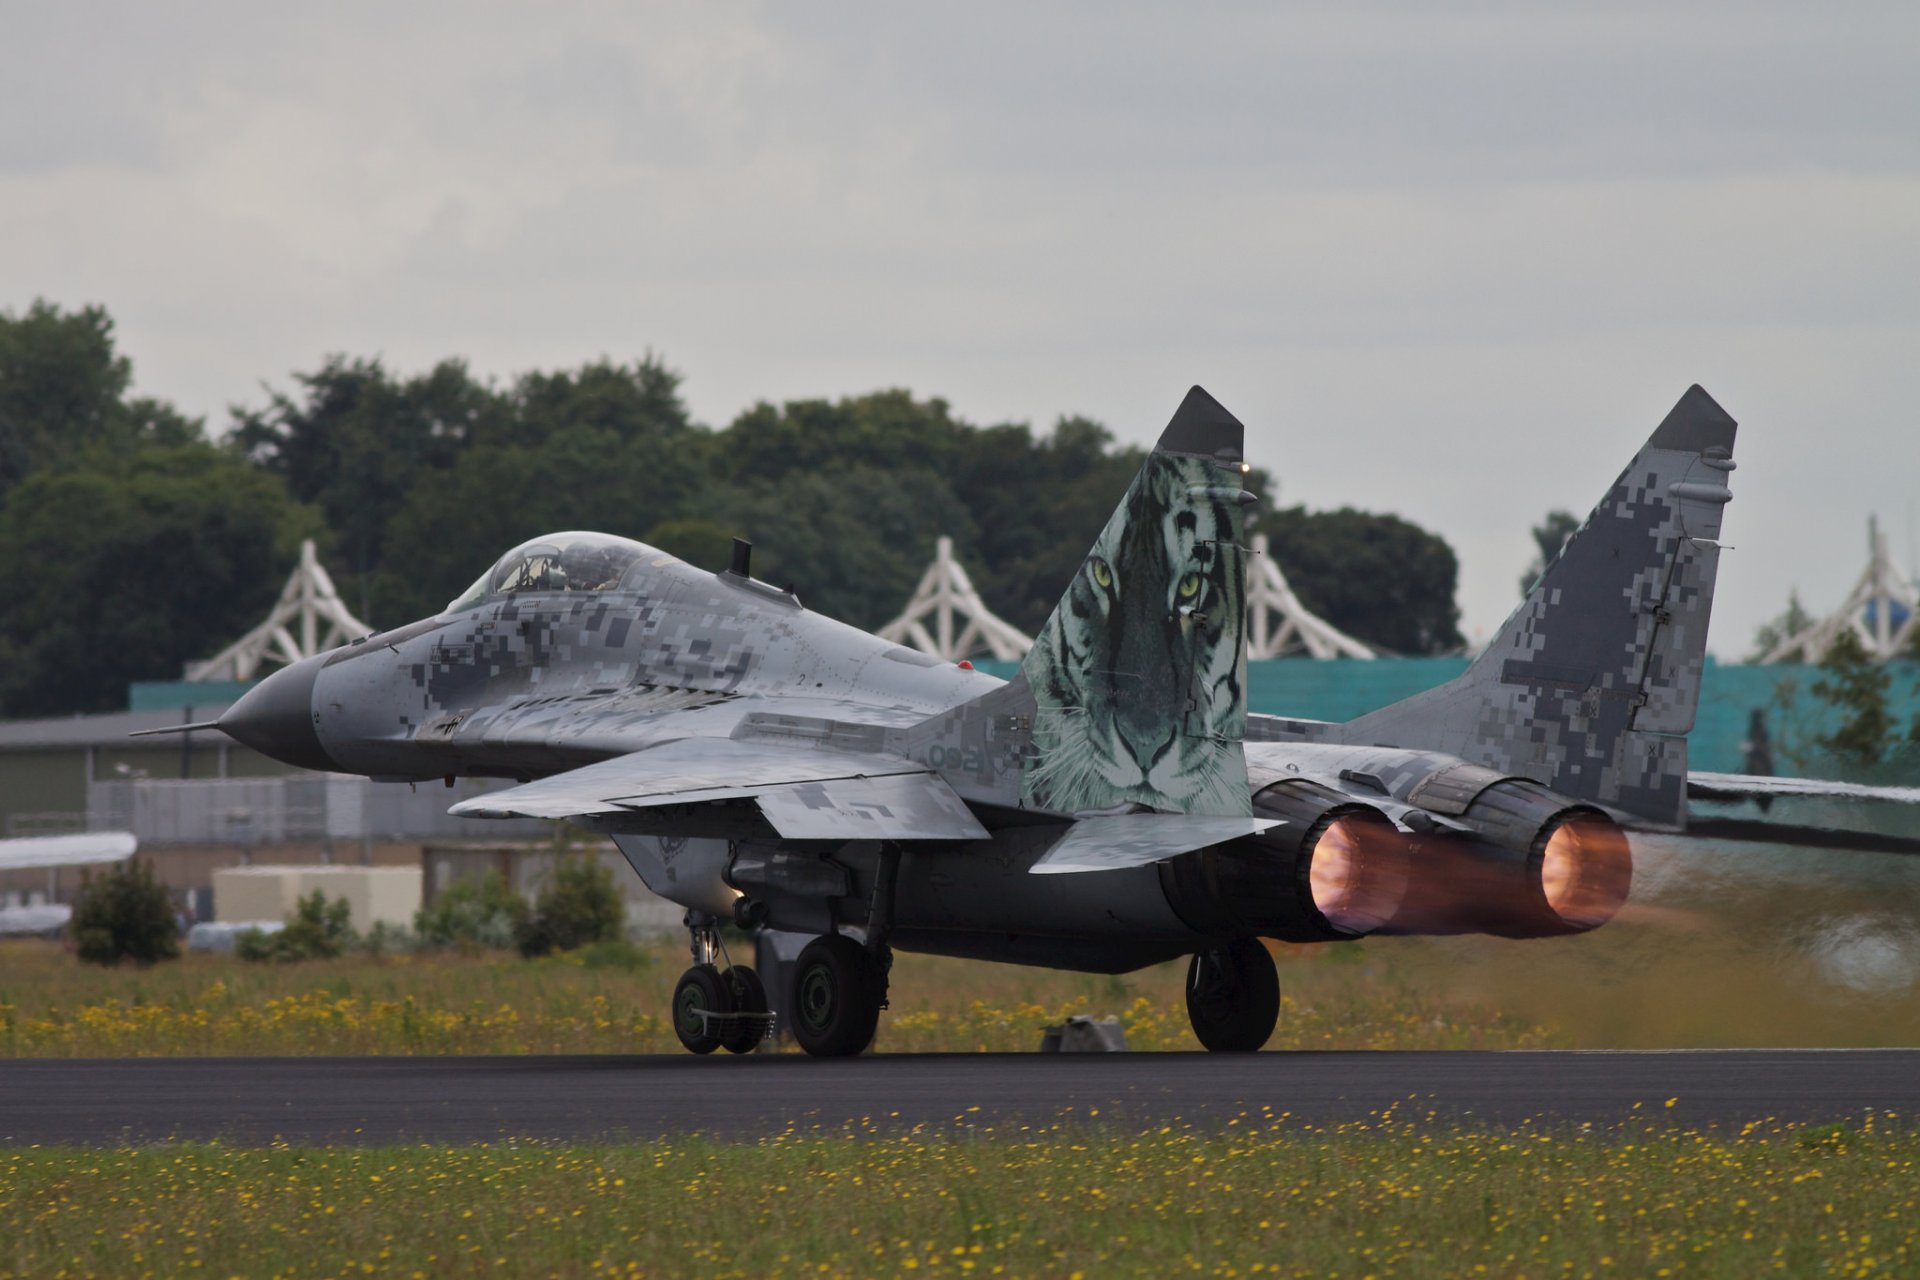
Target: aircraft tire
749, 996
1233, 996
700, 987
837, 989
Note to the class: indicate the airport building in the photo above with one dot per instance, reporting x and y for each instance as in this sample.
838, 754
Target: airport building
200, 804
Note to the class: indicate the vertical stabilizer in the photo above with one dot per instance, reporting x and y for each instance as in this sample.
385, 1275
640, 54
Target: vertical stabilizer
1592, 684
1139, 676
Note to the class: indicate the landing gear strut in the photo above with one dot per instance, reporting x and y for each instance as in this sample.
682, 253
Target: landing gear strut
1233, 996
715, 1009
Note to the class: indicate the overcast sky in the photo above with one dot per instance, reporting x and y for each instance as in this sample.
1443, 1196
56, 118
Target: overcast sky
1452, 267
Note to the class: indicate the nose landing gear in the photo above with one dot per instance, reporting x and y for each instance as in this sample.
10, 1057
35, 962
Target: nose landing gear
1233, 996
713, 1009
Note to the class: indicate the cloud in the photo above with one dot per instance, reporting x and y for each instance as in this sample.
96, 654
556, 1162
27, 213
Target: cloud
1455, 266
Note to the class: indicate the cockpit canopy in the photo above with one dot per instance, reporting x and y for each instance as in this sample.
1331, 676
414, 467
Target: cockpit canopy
558, 562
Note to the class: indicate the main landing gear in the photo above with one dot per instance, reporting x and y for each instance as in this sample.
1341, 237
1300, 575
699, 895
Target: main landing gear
715, 1008
839, 984
1233, 996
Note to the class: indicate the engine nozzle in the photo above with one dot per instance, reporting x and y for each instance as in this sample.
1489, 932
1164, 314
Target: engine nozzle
1337, 869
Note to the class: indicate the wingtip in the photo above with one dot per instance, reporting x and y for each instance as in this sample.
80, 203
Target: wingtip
1695, 424
1202, 425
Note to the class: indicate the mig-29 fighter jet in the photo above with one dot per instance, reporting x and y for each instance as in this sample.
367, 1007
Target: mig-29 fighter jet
1112, 806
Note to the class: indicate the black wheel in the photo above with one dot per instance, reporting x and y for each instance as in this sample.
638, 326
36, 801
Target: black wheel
700, 989
1233, 996
837, 989
749, 996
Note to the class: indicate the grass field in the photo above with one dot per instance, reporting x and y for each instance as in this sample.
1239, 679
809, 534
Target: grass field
52, 1006
1258, 1197
1722, 959
1720, 955
1721, 946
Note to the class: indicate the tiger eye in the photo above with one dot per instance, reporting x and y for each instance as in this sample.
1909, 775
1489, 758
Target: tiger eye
1190, 586
1102, 574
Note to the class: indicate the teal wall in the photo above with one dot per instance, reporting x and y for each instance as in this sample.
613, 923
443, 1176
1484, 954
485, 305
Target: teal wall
1343, 689
178, 695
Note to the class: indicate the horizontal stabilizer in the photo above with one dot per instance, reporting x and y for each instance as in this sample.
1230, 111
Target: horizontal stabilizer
86, 849
1745, 786
804, 794
1140, 839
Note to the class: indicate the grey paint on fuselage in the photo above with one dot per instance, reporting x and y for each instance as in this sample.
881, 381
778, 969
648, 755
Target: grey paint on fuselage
539, 682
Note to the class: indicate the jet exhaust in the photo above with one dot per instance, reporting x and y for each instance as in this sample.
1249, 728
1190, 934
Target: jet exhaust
1537, 865
1586, 871
1337, 869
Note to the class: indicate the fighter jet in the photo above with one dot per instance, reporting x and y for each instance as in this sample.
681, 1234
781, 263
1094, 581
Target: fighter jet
1112, 806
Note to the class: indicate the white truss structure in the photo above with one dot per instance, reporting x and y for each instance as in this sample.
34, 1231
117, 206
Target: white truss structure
308, 619
1868, 611
945, 597
1279, 625
947, 618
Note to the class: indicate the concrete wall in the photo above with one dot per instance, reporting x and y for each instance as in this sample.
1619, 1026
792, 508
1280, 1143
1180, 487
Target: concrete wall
390, 895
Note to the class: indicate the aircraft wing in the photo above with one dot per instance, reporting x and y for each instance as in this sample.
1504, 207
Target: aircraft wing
1744, 786
85, 849
1764, 830
1138, 839
804, 793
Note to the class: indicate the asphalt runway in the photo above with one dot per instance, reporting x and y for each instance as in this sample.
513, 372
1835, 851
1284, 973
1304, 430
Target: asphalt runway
316, 1100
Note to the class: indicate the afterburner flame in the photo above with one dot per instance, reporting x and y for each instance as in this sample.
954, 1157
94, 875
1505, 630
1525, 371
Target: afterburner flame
1586, 871
1357, 873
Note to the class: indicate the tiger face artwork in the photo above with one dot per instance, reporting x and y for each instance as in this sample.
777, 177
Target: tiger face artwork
1139, 677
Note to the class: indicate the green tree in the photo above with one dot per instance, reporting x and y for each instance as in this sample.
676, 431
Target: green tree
360, 444
1549, 538
705, 544
578, 905
1857, 687
885, 430
124, 914
1038, 506
852, 543
1376, 577
481, 911
121, 574
1776, 631
63, 395
608, 448
316, 929
845, 498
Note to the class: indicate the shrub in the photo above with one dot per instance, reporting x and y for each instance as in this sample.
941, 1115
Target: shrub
124, 914
472, 913
316, 930
576, 906
383, 939
255, 944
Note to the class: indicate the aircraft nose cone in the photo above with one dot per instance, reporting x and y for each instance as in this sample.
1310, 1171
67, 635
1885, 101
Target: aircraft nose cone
276, 717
